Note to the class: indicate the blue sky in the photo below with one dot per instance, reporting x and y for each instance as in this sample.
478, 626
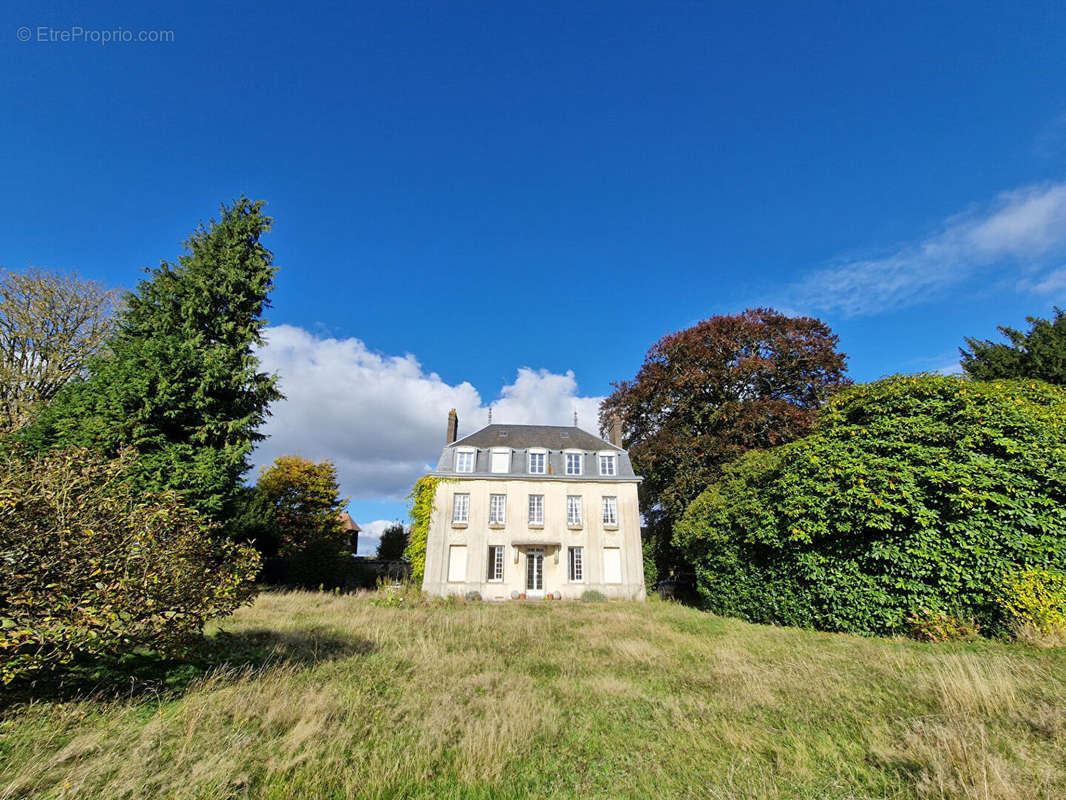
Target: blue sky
594, 175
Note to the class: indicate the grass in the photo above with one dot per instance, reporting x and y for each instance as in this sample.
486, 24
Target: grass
324, 696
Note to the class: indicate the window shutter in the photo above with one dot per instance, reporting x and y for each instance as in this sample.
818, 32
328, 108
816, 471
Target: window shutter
612, 565
457, 563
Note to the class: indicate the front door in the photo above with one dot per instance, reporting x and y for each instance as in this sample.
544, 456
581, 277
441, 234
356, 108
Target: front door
535, 573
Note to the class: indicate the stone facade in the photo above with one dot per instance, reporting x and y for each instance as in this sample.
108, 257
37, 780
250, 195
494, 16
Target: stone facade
531, 529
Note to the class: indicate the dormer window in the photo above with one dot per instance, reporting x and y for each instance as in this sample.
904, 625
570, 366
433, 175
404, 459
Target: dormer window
608, 464
538, 462
500, 460
573, 463
464, 460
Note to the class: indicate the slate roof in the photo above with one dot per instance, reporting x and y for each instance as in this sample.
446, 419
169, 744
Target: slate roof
521, 437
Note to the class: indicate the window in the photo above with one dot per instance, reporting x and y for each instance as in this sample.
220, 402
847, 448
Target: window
501, 460
536, 509
608, 465
576, 565
464, 460
495, 573
497, 509
457, 563
537, 463
612, 565
461, 508
573, 509
573, 463
610, 511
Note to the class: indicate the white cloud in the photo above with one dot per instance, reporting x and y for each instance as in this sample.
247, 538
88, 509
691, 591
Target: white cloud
1019, 231
954, 368
1054, 281
370, 536
539, 397
382, 418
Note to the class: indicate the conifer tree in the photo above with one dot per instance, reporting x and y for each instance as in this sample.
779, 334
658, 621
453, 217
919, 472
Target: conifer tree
1039, 353
180, 381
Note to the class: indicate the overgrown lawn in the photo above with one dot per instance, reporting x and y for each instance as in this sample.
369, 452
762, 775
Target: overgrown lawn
324, 696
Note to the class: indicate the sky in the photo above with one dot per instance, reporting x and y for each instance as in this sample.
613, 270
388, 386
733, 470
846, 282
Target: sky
505, 205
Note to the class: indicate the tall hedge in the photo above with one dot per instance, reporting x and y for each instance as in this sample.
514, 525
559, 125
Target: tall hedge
915, 493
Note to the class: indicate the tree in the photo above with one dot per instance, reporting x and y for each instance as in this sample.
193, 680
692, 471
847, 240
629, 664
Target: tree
393, 542
916, 494
50, 326
180, 382
1039, 354
92, 567
711, 392
304, 502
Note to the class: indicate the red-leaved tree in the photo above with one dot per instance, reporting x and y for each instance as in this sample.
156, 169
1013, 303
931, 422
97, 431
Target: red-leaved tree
711, 392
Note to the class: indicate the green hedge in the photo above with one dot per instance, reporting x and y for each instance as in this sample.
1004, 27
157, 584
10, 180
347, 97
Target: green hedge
916, 493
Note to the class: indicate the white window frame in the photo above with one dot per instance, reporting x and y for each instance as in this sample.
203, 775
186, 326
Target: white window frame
610, 511
461, 508
542, 456
500, 451
578, 562
579, 457
575, 511
497, 516
495, 564
608, 458
535, 510
466, 451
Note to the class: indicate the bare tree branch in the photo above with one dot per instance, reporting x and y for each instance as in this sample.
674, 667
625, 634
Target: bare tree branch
50, 325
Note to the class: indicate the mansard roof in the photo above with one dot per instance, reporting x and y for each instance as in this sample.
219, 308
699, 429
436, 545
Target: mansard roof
519, 439
523, 437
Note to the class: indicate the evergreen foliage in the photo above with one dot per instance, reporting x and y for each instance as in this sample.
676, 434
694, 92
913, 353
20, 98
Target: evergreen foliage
916, 495
181, 383
393, 542
1039, 354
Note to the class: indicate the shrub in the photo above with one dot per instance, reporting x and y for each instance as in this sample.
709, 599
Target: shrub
915, 493
472, 596
1035, 602
937, 626
392, 594
592, 596
90, 568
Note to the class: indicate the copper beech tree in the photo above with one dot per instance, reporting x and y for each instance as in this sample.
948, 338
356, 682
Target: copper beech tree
711, 392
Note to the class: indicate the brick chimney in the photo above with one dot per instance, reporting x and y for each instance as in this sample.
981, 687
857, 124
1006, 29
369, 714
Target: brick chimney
616, 430
453, 427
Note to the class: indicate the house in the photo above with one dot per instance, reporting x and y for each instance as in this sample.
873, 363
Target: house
349, 527
534, 511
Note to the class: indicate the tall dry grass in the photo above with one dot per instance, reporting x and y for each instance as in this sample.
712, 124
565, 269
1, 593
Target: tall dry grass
557, 700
